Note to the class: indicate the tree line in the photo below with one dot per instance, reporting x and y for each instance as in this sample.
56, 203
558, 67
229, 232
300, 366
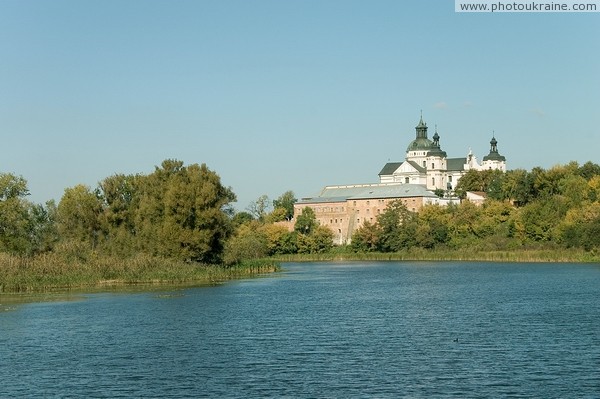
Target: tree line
185, 213
542, 208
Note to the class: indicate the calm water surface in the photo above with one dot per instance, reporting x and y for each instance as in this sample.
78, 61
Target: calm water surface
374, 329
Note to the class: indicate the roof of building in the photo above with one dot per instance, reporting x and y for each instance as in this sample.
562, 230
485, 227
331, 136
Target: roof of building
390, 168
420, 143
419, 168
456, 164
494, 156
368, 191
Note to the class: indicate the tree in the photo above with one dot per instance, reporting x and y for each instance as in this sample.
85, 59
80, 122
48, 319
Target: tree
247, 243
78, 215
241, 218
15, 221
581, 227
12, 186
397, 227
306, 222
366, 238
44, 233
259, 208
517, 187
119, 192
432, 226
279, 239
286, 201
278, 215
488, 181
195, 226
589, 170
540, 218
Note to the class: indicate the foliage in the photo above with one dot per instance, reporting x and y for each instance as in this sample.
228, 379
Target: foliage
286, 202
177, 212
319, 241
78, 215
366, 238
258, 209
306, 222
25, 228
397, 228
182, 214
247, 243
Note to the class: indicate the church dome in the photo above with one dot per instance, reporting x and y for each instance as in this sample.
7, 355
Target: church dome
420, 144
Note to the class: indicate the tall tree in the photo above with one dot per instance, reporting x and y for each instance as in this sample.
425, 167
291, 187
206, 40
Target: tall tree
15, 222
182, 212
78, 215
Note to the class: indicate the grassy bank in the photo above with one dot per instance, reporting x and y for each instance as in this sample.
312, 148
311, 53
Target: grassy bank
54, 272
529, 255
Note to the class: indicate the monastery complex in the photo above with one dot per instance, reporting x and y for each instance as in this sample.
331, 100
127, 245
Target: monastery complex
426, 168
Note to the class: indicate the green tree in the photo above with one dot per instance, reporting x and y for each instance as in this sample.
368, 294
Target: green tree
540, 218
15, 215
319, 241
44, 233
432, 226
517, 187
259, 208
247, 243
487, 181
278, 215
306, 222
279, 239
78, 215
366, 238
463, 218
581, 227
397, 227
286, 201
241, 218
589, 170
194, 225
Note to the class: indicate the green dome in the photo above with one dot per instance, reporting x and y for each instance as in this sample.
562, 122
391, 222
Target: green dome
420, 144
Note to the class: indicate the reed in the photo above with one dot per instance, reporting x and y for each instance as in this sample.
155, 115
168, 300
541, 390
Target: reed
523, 255
54, 271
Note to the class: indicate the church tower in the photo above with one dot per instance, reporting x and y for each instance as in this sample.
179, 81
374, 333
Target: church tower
494, 160
418, 148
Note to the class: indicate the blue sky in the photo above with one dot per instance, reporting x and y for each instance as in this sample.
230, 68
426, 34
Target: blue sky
286, 94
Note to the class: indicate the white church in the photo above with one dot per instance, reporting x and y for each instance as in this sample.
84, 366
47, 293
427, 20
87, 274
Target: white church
426, 164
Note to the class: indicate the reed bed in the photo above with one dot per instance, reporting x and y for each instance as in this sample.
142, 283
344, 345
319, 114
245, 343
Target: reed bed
524, 255
54, 271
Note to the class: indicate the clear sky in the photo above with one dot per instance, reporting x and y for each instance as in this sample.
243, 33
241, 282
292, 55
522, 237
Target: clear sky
285, 94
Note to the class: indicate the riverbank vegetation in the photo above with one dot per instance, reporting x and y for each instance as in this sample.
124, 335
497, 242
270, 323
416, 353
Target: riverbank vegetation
537, 215
169, 226
177, 225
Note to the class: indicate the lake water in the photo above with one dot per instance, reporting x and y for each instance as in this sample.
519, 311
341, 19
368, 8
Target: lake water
321, 330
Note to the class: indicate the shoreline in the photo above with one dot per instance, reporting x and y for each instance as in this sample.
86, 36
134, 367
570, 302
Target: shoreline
49, 274
58, 275
524, 256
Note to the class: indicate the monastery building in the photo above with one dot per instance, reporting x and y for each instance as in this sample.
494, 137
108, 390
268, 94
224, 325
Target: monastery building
425, 169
